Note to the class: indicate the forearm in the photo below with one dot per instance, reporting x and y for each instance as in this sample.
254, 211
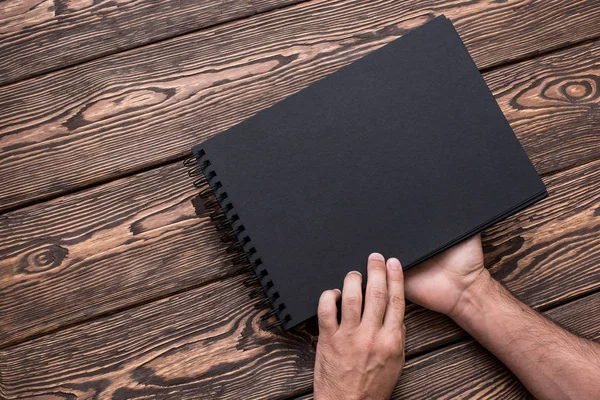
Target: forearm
551, 362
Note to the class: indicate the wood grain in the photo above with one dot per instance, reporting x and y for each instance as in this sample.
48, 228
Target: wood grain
37, 36
207, 343
99, 120
106, 248
550, 98
136, 239
467, 371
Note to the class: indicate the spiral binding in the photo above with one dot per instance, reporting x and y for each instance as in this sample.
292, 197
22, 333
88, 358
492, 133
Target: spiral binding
227, 221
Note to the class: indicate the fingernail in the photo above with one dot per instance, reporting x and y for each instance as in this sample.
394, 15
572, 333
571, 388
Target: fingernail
338, 290
354, 272
393, 263
376, 256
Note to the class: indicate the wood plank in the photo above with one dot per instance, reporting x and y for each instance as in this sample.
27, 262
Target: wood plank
206, 343
137, 239
98, 250
37, 36
99, 120
546, 255
466, 370
553, 105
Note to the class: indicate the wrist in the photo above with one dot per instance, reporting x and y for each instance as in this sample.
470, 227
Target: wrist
472, 299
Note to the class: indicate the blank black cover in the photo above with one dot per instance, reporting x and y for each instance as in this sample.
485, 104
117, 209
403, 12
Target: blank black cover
404, 152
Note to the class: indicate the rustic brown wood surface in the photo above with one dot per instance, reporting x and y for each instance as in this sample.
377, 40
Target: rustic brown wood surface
467, 371
550, 97
59, 250
124, 289
37, 36
99, 120
113, 246
547, 255
206, 343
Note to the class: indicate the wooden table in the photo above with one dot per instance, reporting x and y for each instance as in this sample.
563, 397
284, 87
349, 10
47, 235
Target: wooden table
111, 286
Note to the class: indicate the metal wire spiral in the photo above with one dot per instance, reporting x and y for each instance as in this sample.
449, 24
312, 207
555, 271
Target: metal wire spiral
227, 221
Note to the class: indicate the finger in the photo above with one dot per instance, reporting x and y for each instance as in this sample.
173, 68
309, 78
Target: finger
352, 300
327, 312
394, 313
376, 294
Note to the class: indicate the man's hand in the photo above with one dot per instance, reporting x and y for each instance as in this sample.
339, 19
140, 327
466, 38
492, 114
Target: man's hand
445, 281
363, 357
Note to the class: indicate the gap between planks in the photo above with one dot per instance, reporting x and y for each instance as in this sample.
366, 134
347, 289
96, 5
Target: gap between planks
150, 42
535, 70
365, 36
537, 54
234, 273
118, 310
175, 159
307, 394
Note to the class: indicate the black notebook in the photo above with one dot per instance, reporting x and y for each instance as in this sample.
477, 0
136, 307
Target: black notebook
404, 152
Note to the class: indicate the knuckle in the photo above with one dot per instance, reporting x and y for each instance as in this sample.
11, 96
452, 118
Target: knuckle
377, 292
351, 300
396, 351
325, 311
392, 346
397, 301
396, 276
323, 320
368, 340
352, 313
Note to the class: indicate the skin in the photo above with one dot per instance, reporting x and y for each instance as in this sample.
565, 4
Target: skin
361, 363
362, 357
